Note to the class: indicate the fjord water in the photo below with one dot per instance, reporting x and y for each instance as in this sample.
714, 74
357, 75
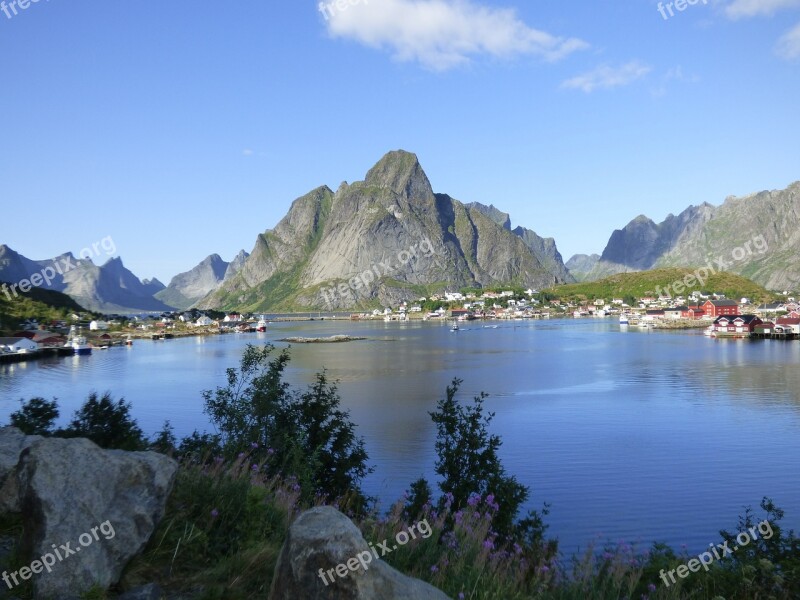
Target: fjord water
629, 435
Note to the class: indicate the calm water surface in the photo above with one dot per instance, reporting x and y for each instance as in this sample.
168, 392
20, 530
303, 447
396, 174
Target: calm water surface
631, 435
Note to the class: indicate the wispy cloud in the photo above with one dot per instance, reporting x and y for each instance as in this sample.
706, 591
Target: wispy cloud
442, 34
788, 46
672, 74
606, 77
247, 152
751, 8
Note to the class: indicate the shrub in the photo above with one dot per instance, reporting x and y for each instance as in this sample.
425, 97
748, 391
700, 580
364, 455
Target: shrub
107, 423
36, 417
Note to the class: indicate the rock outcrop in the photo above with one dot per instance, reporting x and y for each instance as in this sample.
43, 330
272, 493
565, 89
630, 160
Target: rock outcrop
86, 511
323, 538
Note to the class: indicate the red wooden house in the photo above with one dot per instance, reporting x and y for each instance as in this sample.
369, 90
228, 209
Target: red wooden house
719, 308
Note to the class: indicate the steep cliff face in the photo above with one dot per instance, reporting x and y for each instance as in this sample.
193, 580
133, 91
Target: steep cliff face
757, 236
392, 225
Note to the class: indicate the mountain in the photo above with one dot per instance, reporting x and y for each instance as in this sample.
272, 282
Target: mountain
544, 249
498, 216
236, 264
401, 239
153, 286
581, 264
187, 288
107, 288
757, 236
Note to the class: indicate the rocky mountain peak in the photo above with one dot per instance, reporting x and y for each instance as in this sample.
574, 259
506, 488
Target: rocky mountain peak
401, 172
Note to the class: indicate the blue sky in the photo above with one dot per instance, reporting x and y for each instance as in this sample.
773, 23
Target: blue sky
182, 129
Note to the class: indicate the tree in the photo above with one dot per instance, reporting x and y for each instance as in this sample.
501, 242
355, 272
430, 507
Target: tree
107, 423
467, 459
36, 417
305, 435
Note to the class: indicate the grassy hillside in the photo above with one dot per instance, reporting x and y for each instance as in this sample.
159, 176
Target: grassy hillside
38, 303
645, 283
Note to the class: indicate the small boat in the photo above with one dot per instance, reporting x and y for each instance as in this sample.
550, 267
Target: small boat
262, 326
78, 343
129, 341
454, 327
80, 346
623, 320
709, 331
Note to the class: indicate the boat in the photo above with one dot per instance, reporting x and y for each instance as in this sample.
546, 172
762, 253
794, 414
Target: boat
454, 327
78, 343
709, 331
129, 341
623, 320
262, 326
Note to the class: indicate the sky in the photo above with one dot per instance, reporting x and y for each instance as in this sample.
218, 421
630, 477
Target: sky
181, 129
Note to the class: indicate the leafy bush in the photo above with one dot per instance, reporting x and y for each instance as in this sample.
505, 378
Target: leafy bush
291, 434
107, 423
36, 417
467, 459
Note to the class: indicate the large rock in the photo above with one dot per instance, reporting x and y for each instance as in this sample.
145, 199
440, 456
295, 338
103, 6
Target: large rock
86, 510
12, 443
323, 538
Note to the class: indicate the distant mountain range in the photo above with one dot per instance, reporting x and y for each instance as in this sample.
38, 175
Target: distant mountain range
109, 288
186, 289
757, 236
390, 237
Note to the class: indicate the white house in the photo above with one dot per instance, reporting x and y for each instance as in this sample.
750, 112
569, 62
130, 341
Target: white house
204, 321
98, 326
18, 344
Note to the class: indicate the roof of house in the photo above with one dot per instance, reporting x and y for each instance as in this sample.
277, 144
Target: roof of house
745, 318
10, 341
788, 321
723, 302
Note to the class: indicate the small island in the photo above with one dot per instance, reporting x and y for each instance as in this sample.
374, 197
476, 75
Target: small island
334, 339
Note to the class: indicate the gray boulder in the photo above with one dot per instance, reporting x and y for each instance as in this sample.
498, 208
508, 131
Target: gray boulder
86, 511
322, 538
151, 591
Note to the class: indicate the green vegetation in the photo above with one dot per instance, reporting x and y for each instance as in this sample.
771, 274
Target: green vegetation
645, 283
107, 423
38, 303
280, 451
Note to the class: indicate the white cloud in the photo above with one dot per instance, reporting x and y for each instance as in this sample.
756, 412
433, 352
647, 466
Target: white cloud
672, 74
442, 34
605, 77
752, 8
789, 45
247, 152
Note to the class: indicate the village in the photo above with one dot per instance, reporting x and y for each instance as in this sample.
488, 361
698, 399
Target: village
716, 314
